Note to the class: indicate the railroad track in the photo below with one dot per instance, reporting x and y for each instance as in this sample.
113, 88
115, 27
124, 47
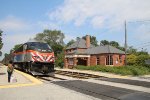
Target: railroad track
77, 74
49, 78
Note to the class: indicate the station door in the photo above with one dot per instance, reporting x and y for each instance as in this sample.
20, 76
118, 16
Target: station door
82, 61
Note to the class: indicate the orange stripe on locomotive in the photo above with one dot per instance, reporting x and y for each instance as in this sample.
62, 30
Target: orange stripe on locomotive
38, 56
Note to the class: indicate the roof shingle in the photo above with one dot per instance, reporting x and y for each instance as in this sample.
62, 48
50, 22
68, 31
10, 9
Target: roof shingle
103, 49
80, 43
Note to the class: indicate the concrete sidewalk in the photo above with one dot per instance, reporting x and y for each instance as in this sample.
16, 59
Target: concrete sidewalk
23, 79
4, 77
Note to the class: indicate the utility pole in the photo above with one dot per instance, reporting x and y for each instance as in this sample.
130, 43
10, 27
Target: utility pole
125, 46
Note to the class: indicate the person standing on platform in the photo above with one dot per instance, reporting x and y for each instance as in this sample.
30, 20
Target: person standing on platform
10, 69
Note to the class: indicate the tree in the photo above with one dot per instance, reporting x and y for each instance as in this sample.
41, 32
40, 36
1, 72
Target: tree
40, 37
1, 43
93, 40
70, 43
121, 48
141, 53
131, 50
104, 42
53, 37
141, 59
114, 44
60, 60
57, 49
16, 47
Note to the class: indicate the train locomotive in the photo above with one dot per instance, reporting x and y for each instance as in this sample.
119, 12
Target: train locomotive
35, 57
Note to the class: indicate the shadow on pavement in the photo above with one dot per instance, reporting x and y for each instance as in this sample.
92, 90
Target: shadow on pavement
2, 73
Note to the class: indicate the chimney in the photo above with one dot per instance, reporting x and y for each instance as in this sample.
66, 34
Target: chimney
87, 41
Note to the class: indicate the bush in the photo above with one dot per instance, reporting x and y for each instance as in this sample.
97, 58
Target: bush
59, 60
131, 59
123, 70
138, 58
141, 59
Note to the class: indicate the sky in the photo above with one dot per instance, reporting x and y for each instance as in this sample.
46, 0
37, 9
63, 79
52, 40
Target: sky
21, 20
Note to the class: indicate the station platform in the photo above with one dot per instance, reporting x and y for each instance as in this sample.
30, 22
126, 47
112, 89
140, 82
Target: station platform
22, 79
109, 75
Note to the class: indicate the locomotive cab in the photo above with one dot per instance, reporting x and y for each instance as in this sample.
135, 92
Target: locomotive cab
36, 58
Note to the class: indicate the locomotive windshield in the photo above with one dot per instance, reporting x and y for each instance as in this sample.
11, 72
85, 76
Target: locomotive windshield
42, 47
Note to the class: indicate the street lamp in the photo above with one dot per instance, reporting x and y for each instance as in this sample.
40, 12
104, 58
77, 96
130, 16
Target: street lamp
125, 46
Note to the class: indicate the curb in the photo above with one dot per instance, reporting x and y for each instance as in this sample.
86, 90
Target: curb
32, 79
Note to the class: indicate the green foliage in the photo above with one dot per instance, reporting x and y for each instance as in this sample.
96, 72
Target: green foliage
6, 54
131, 50
141, 59
59, 60
16, 47
131, 59
141, 53
104, 42
57, 49
1, 43
70, 43
137, 58
112, 43
53, 37
123, 70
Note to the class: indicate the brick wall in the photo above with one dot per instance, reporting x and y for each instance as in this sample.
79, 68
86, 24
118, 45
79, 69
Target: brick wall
93, 60
65, 63
102, 59
118, 60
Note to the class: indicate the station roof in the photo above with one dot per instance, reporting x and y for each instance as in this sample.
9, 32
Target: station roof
80, 43
103, 49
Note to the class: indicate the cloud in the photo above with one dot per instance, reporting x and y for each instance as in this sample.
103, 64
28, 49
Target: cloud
11, 23
97, 21
16, 31
48, 25
69, 37
143, 32
100, 13
10, 40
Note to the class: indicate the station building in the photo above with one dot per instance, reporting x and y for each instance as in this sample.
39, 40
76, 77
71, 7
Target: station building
83, 53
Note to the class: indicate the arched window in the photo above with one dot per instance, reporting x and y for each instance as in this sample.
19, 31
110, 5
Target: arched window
109, 60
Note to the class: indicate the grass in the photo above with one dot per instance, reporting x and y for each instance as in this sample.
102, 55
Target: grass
123, 70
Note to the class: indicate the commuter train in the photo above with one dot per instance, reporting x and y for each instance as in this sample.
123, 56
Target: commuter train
35, 57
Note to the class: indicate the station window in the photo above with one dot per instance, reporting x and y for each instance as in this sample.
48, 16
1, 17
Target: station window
109, 60
97, 61
70, 61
